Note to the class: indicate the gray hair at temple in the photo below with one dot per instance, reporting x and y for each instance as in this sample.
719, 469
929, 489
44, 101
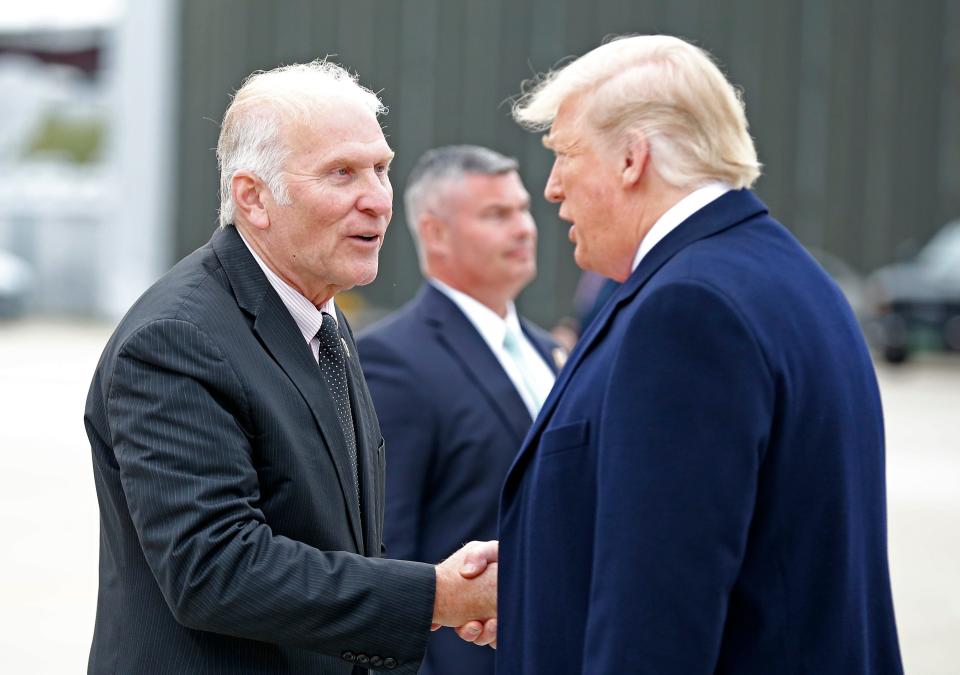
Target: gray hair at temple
266, 102
667, 89
441, 168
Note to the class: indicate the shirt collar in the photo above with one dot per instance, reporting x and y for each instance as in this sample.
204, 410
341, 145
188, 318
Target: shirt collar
488, 323
306, 315
676, 214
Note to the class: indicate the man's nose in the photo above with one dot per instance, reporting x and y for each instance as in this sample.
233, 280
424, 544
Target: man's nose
554, 189
524, 225
377, 197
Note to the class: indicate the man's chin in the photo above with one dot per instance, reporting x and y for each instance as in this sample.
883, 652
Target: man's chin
581, 259
366, 277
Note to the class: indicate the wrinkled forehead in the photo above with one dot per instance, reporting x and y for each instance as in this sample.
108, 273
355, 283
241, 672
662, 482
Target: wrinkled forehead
347, 129
330, 115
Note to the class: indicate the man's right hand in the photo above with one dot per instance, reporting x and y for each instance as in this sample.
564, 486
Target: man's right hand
477, 555
470, 576
467, 593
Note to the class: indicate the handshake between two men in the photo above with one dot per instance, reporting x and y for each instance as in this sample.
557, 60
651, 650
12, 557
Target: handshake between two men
238, 458
466, 598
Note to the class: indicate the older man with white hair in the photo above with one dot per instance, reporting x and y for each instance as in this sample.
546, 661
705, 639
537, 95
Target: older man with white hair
703, 491
237, 457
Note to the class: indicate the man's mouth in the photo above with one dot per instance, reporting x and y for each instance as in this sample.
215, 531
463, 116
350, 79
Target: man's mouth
520, 253
365, 237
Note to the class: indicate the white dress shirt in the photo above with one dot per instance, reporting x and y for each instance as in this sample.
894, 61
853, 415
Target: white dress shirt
493, 329
676, 214
305, 314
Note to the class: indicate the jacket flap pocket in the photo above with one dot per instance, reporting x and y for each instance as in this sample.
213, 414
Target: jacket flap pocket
565, 437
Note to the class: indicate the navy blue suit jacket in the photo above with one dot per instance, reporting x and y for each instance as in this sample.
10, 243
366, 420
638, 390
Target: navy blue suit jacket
453, 422
703, 491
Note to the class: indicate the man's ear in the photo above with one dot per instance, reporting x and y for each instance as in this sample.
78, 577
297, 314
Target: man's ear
249, 198
434, 233
635, 156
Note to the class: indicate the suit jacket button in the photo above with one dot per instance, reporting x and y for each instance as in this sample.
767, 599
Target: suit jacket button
389, 663
363, 659
348, 656
376, 661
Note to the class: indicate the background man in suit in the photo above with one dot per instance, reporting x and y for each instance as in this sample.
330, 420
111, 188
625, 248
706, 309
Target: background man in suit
703, 491
456, 375
240, 481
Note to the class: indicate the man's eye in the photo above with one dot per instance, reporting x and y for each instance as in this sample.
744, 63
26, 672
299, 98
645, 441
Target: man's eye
342, 171
382, 168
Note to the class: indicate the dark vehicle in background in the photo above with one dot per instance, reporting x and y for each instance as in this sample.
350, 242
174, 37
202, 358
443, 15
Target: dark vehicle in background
915, 304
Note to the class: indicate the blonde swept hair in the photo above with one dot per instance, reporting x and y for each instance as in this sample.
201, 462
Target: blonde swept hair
667, 89
267, 100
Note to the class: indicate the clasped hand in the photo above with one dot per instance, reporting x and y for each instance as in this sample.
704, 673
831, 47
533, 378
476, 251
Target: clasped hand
467, 593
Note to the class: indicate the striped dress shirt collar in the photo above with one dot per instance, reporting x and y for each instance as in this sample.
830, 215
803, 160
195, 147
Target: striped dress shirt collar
306, 315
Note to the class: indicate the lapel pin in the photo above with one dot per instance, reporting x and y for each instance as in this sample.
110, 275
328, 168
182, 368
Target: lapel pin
559, 357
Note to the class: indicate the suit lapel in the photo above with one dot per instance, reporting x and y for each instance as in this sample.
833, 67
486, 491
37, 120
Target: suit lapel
729, 210
280, 336
546, 350
455, 333
368, 437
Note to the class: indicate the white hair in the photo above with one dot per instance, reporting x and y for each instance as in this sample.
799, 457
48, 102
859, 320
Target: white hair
667, 89
250, 138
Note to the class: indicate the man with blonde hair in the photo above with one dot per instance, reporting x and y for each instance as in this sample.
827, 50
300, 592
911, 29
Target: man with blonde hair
703, 491
237, 457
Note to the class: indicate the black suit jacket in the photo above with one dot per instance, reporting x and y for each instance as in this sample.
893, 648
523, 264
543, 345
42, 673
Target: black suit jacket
454, 422
230, 536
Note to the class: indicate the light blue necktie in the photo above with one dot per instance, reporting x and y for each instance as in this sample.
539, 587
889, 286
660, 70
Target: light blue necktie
537, 390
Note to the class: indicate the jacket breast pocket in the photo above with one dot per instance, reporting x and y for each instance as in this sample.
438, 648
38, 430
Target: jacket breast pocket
380, 480
379, 469
565, 438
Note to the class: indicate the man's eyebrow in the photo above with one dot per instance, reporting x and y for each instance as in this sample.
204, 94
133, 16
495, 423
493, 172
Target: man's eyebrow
508, 204
350, 160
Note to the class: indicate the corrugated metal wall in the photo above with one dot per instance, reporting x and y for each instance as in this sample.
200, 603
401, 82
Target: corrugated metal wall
855, 105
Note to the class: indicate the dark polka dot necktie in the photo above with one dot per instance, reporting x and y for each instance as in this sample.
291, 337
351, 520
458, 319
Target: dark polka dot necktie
333, 367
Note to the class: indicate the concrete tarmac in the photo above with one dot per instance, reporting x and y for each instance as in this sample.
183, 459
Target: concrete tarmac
48, 566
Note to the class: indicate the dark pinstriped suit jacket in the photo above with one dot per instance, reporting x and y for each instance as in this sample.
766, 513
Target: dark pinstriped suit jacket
230, 538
